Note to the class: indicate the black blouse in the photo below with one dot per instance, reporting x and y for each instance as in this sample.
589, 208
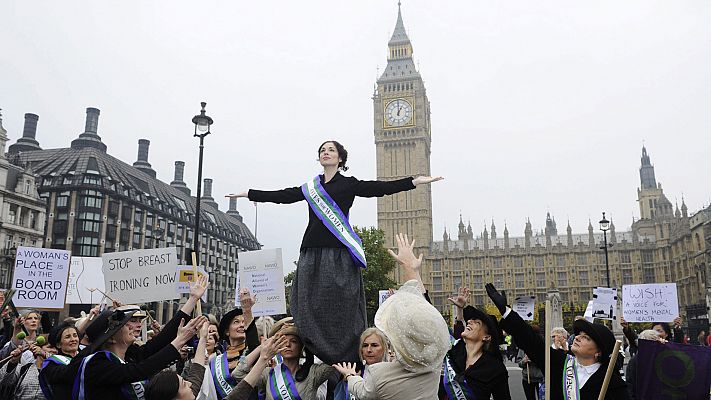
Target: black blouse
343, 190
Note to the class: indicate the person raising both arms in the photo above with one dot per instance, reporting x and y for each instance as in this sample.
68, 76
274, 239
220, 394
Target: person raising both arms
327, 298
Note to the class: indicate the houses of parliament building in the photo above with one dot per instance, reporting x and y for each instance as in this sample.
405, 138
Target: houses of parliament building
666, 243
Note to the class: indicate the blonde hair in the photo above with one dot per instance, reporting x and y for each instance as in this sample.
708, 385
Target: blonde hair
560, 330
649, 334
384, 342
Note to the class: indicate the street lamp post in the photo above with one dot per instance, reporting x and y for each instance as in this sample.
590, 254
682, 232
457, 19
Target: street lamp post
202, 128
604, 227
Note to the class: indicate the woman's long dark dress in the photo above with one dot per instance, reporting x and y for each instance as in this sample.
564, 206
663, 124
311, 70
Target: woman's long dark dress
327, 298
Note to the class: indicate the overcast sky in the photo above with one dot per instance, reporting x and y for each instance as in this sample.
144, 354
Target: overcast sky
536, 106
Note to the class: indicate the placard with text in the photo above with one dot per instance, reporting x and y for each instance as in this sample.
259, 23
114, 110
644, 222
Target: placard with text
262, 272
652, 302
141, 276
40, 278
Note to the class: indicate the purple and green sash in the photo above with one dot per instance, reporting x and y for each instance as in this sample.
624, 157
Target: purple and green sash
130, 391
331, 215
44, 385
455, 390
282, 384
220, 371
571, 390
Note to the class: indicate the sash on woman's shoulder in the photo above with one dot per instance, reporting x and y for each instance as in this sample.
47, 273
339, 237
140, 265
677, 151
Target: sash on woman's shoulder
44, 385
331, 215
282, 384
455, 389
571, 388
130, 391
220, 371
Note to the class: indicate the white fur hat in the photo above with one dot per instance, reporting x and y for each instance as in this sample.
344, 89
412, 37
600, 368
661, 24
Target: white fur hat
416, 329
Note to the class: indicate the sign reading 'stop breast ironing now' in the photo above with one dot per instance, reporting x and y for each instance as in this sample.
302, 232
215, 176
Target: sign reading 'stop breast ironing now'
141, 276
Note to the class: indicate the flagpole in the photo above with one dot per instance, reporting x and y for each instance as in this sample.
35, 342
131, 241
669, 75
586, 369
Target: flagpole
610, 368
548, 349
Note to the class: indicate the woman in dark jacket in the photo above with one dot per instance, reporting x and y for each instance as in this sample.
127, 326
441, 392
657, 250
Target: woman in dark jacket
105, 375
327, 298
474, 367
583, 368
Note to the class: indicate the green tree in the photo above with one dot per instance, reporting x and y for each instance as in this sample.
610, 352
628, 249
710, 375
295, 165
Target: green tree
380, 264
288, 282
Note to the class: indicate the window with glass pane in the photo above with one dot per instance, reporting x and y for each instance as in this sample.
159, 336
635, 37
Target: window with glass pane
562, 279
539, 261
540, 279
520, 282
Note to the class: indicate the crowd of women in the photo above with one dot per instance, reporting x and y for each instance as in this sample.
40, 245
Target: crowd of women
408, 355
325, 351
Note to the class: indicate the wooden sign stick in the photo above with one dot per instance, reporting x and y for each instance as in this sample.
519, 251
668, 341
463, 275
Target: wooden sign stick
548, 349
198, 305
610, 368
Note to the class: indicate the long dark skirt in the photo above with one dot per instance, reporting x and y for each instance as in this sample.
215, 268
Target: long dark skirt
328, 304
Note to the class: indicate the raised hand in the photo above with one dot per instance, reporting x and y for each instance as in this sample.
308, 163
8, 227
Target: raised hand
237, 195
272, 346
462, 298
345, 368
499, 299
423, 180
405, 255
187, 331
247, 300
677, 322
197, 288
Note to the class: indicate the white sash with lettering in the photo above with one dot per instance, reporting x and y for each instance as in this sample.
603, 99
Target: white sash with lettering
571, 390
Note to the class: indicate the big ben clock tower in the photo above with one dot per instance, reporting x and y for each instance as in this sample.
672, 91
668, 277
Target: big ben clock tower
402, 140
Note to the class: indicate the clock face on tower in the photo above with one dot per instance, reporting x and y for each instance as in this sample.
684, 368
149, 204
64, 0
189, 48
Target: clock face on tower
398, 112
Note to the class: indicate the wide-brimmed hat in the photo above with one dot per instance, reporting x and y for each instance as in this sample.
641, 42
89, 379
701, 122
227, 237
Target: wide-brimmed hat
285, 326
599, 333
106, 325
226, 320
473, 313
417, 331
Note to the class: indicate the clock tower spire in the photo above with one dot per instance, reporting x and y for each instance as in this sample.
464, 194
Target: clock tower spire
402, 140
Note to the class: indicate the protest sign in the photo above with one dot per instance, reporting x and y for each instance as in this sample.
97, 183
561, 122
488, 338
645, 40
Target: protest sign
524, 307
589, 312
185, 276
262, 272
238, 303
605, 303
654, 302
672, 371
85, 277
141, 276
40, 277
382, 296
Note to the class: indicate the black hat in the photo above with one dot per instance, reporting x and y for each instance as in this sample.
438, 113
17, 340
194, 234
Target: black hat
226, 320
489, 320
106, 325
599, 333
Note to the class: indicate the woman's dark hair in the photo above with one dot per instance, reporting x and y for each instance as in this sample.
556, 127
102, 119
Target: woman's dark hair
342, 153
665, 326
55, 335
163, 386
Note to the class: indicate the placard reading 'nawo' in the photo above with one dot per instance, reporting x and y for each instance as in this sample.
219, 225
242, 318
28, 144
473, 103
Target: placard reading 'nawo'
141, 276
653, 302
40, 277
262, 272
